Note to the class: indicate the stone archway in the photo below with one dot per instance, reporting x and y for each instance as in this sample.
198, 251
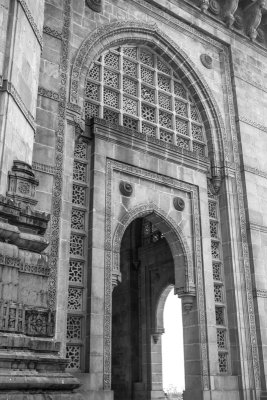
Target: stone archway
149, 266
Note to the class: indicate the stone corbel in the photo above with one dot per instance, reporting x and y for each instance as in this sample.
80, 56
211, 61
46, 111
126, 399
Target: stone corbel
204, 5
95, 5
157, 334
187, 295
216, 179
229, 10
253, 17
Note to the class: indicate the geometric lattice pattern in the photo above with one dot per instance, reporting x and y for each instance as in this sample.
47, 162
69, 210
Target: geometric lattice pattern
74, 328
219, 313
79, 171
221, 339
217, 276
73, 354
135, 81
76, 271
218, 293
75, 299
77, 219
222, 360
78, 242
76, 245
217, 272
212, 209
215, 250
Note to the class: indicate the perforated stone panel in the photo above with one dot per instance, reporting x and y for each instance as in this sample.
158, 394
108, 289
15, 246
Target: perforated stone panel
129, 82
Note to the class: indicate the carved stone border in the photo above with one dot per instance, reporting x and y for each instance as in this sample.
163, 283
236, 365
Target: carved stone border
59, 150
52, 32
32, 23
248, 121
48, 93
112, 245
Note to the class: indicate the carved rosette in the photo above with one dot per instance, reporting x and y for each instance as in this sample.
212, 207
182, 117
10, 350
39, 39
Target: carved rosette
126, 188
214, 7
253, 16
230, 8
95, 5
206, 60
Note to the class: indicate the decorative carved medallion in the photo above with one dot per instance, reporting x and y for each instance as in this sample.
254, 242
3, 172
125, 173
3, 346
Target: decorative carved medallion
95, 5
126, 188
206, 60
178, 203
214, 7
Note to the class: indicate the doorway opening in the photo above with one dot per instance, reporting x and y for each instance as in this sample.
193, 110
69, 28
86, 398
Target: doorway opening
147, 271
173, 347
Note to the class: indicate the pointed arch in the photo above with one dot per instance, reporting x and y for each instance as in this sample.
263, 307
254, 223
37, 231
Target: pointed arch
134, 32
182, 257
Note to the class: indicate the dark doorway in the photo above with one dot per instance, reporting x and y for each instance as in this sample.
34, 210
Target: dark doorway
147, 268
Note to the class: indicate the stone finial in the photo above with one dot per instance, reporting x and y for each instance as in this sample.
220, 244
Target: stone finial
230, 7
253, 16
204, 5
22, 183
95, 5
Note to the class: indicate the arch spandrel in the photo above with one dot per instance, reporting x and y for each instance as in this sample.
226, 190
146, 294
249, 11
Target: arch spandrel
132, 32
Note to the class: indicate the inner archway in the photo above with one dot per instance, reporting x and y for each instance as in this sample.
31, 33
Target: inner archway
172, 344
147, 270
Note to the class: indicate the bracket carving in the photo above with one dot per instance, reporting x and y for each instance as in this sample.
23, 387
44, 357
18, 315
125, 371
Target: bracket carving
253, 16
204, 5
230, 8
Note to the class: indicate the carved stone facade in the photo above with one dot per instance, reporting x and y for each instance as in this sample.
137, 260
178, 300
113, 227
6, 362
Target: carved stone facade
132, 137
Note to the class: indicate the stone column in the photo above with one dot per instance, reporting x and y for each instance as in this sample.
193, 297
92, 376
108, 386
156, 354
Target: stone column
19, 71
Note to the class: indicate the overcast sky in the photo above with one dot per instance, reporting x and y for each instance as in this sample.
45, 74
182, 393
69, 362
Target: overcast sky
172, 343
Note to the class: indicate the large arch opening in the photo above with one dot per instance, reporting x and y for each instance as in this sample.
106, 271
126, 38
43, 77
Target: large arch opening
147, 275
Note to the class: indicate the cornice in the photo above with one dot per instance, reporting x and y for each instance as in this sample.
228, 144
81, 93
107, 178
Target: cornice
48, 93
251, 82
32, 23
49, 169
255, 124
211, 20
255, 171
52, 32
11, 90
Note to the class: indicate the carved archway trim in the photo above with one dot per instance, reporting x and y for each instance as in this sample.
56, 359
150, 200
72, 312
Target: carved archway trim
171, 231
112, 166
134, 32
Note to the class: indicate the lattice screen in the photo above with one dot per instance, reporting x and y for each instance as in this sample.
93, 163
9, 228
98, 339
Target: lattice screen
77, 270
134, 87
219, 289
